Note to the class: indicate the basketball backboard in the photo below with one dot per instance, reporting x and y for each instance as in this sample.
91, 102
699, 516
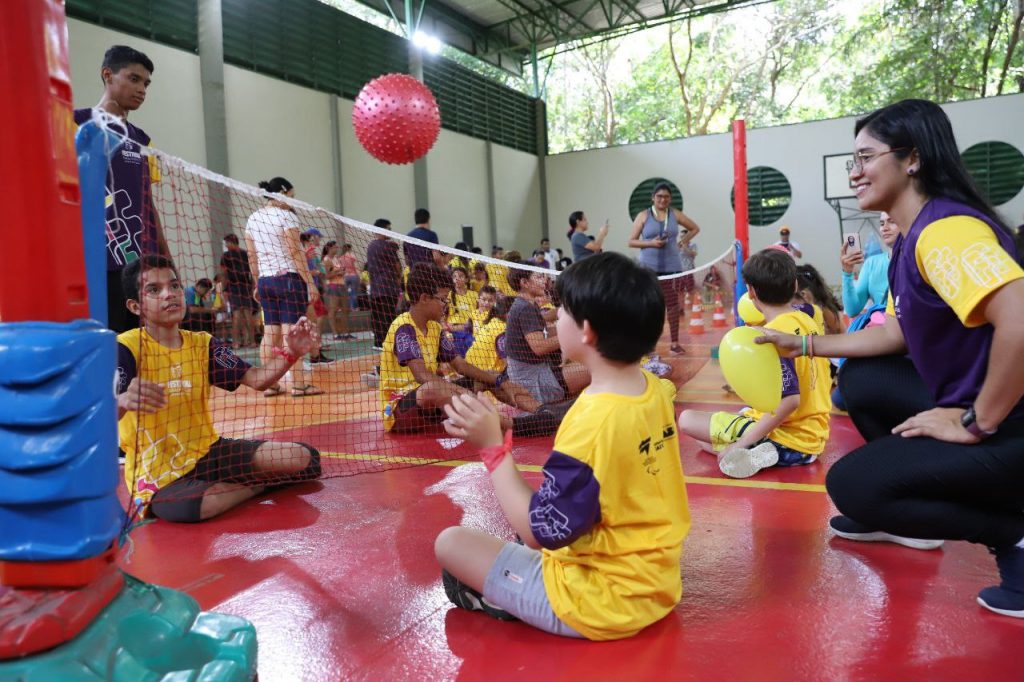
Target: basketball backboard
837, 178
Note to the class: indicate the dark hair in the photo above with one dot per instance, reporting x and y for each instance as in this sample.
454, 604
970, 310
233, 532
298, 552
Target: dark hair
327, 247
477, 249
923, 125
305, 237
516, 277
118, 57
500, 309
495, 249
574, 218
513, 256
382, 223
480, 267
462, 246
459, 268
204, 282
621, 300
545, 239
231, 238
772, 275
425, 279
808, 278
487, 289
346, 248
563, 263
421, 216
660, 186
276, 185
131, 275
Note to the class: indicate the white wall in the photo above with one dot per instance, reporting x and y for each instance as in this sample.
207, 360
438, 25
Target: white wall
600, 182
457, 187
517, 201
173, 112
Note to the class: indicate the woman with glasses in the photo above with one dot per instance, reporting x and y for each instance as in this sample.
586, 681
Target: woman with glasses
659, 232
936, 390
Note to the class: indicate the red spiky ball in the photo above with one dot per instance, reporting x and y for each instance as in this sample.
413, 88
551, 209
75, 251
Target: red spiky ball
396, 118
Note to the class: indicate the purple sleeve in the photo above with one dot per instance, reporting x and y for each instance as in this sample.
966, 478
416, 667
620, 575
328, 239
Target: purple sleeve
567, 505
406, 346
806, 308
126, 369
446, 351
790, 381
499, 345
226, 368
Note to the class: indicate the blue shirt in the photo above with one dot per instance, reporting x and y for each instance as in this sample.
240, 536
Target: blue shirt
873, 283
414, 253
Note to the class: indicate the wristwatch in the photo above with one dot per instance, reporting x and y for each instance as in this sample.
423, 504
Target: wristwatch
969, 420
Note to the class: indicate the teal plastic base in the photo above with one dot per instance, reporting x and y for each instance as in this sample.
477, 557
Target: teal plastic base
148, 633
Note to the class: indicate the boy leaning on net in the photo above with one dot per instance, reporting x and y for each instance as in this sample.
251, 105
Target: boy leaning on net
176, 465
604, 533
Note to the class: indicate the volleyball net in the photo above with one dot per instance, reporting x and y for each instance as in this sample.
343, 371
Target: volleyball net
395, 327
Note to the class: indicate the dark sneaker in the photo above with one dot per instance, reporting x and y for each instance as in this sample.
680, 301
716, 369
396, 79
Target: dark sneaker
1008, 597
849, 529
320, 360
465, 597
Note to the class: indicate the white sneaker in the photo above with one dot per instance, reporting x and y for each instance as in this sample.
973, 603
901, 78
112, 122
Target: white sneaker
744, 463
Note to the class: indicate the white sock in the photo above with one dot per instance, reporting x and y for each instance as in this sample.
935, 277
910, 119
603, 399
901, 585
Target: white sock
1021, 543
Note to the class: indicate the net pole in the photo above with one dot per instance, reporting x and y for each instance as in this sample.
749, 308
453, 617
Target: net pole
739, 169
37, 132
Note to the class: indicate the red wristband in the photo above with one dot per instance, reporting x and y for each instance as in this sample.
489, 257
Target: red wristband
493, 456
286, 354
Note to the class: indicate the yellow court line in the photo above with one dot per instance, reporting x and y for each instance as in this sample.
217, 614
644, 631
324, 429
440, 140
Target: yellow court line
696, 480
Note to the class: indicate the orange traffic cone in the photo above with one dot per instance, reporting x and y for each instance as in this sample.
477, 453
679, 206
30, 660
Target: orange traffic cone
697, 317
718, 320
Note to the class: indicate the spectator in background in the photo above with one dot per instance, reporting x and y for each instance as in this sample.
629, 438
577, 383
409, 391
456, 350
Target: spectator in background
460, 261
133, 226
351, 270
311, 247
540, 259
414, 253
199, 315
238, 288
550, 255
385, 268
583, 245
335, 292
480, 277
784, 242
873, 280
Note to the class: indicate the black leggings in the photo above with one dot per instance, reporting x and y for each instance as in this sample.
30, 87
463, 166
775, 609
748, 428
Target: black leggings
670, 289
922, 487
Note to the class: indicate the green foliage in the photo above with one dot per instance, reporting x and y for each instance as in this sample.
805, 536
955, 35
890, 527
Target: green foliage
782, 62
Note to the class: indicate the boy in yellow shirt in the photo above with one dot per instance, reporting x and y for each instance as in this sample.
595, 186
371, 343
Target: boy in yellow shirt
796, 432
176, 465
604, 533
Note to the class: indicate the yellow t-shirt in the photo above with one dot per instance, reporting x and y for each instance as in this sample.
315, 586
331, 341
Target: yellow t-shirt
488, 349
806, 429
497, 275
479, 317
161, 447
461, 306
405, 341
622, 573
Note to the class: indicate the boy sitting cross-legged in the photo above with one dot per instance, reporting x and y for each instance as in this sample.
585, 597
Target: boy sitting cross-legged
176, 466
796, 432
412, 394
604, 533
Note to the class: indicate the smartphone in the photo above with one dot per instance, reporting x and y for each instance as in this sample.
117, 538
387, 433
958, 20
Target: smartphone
853, 243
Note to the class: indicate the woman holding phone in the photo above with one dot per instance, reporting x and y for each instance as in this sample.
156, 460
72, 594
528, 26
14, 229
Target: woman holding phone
873, 280
659, 232
936, 390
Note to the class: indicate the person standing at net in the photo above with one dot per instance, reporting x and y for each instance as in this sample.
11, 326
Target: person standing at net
234, 262
603, 535
583, 245
284, 284
658, 232
385, 268
132, 224
414, 253
176, 465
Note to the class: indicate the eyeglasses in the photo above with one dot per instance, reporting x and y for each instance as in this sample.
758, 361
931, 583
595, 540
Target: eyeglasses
442, 299
860, 160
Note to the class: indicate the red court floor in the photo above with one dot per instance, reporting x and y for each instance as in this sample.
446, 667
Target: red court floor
340, 580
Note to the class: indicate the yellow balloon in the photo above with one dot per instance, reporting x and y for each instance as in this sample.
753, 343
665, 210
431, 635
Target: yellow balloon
748, 311
752, 369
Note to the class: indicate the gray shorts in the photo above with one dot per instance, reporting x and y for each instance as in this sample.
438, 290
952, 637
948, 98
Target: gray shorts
515, 583
543, 383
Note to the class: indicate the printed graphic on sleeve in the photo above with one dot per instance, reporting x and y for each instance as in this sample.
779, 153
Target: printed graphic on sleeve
943, 272
546, 521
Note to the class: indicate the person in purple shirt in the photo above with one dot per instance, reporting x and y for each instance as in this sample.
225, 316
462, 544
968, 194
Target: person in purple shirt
133, 227
941, 409
385, 268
